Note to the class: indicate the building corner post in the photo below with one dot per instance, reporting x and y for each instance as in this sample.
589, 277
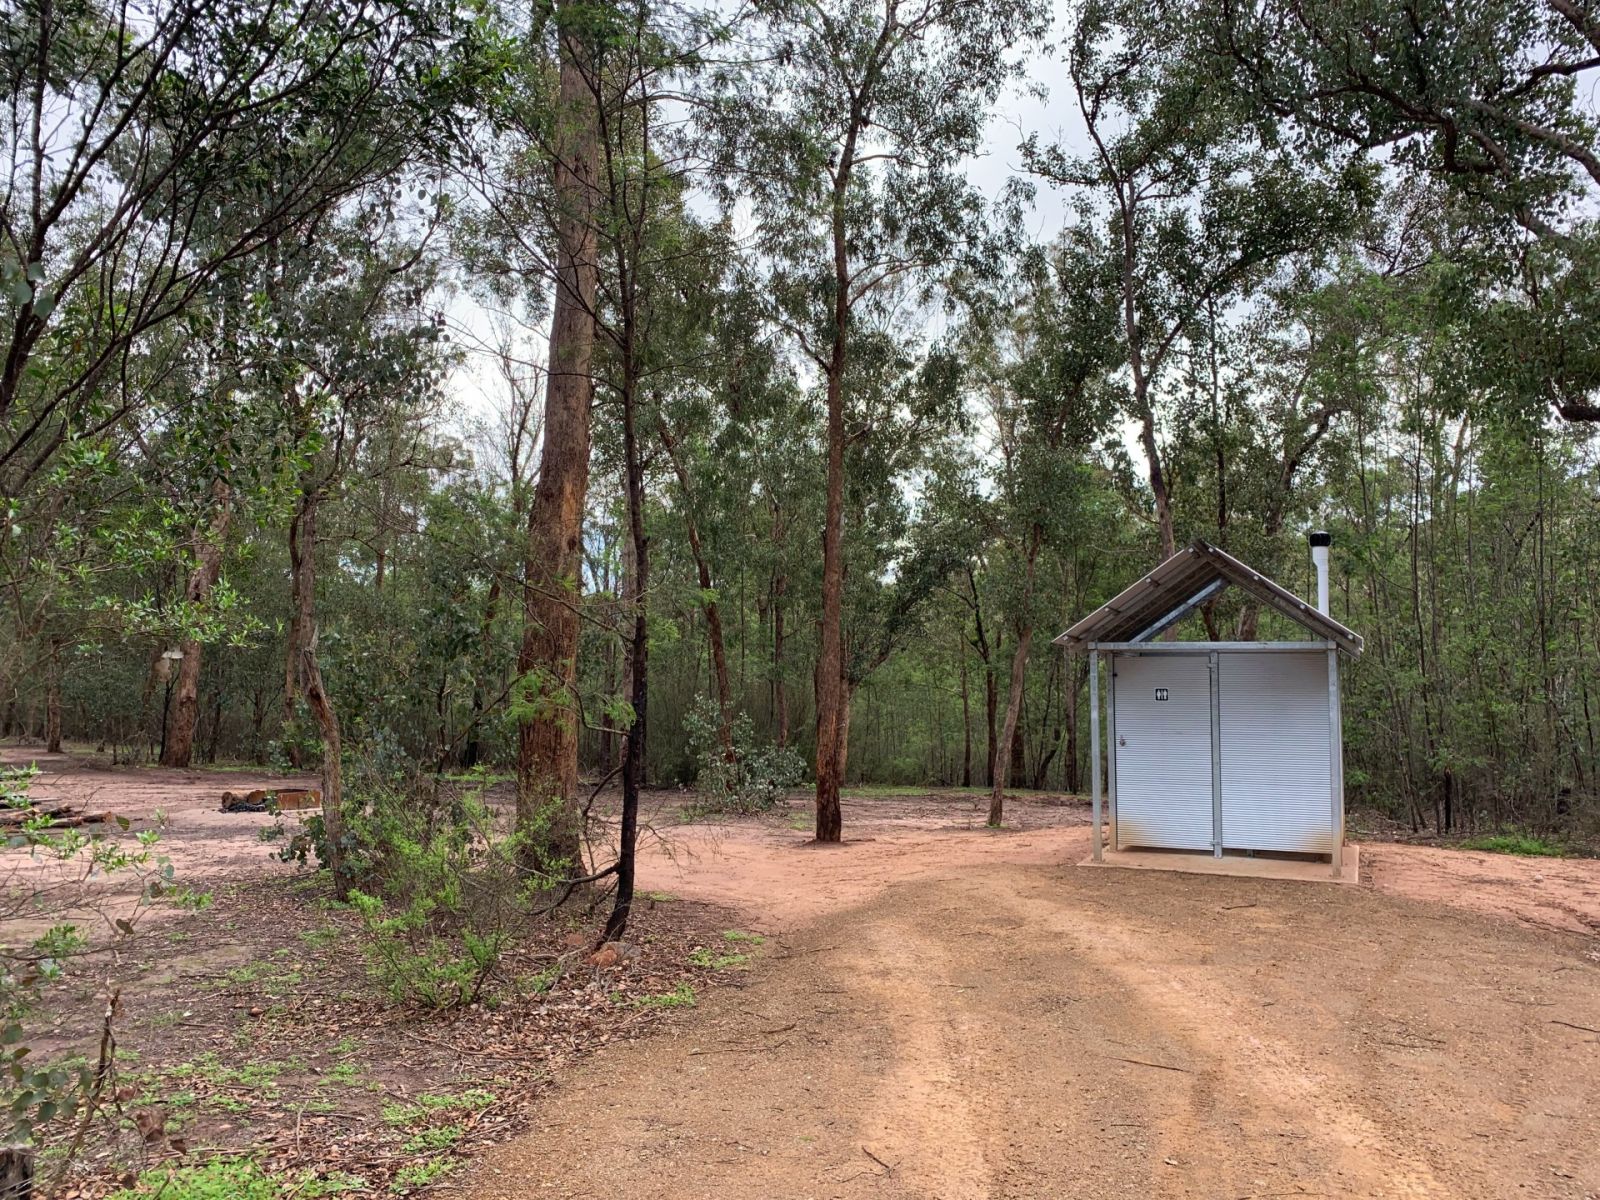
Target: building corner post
1094, 743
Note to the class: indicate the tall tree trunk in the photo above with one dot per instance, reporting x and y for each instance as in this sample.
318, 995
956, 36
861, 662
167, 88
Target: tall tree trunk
308, 678
829, 674
547, 743
179, 748
780, 691
52, 703
1019, 667
991, 707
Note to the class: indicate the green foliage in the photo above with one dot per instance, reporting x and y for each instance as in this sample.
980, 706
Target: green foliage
681, 996
704, 956
752, 779
219, 1179
419, 1175
1514, 843
32, 1091
430, 1104
441, 890
236, 1179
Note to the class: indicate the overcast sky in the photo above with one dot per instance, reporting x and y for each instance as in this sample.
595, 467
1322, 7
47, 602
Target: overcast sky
476, 385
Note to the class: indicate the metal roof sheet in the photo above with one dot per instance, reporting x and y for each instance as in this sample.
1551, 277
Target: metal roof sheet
1179, 585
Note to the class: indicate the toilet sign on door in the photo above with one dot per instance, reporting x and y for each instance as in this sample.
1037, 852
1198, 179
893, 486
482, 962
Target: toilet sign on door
1161, 693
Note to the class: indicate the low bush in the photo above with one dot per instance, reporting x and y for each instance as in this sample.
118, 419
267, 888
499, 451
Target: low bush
438, 889
1515, 843
751, 779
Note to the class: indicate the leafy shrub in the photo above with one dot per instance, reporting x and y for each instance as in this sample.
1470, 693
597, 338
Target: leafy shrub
439, 890
33, 1092
753, 778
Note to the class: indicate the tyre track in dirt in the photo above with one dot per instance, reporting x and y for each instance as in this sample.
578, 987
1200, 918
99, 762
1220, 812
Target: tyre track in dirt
1039, 1032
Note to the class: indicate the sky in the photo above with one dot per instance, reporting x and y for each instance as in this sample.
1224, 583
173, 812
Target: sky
479, 392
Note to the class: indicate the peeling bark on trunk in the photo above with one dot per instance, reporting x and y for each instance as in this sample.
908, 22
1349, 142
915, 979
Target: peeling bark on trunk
548, 815
179, 748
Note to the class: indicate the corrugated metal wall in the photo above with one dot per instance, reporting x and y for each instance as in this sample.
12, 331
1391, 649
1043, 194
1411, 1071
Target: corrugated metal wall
1275, 754
1274, 742
1163, 752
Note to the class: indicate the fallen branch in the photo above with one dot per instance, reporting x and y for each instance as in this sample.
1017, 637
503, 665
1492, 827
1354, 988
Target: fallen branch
1570, 1025
1140, 1062
887, 1169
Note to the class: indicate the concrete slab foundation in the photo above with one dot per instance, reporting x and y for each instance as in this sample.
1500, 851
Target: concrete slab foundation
1250, 866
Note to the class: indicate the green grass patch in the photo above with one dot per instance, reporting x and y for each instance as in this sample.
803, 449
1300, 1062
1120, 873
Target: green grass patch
704, 956
739, 935
237, 1179
430, 1141
421, 1174
1515, 843
428, 1104
681, 996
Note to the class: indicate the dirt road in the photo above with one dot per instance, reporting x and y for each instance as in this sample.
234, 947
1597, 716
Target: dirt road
991, 1029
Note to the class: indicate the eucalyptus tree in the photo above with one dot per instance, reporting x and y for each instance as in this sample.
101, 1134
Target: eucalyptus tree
350, 349
1046, 357
154, 145
1490, 99
1193, 212
1488, 96
846, 140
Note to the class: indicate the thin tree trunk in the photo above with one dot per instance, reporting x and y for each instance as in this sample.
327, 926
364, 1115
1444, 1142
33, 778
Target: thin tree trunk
179, 748
547, 744
966, 724
1019, 667
308, 678
780, 588
52, 703
846, 694
636, 592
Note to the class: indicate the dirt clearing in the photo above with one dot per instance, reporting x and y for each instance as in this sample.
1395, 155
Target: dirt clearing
939, 1010
1027, 1032
954, 1014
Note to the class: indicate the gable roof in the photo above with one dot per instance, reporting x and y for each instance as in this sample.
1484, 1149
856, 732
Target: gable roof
1184, 582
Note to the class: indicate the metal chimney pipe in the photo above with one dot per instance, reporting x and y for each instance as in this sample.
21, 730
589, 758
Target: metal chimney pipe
1319, 557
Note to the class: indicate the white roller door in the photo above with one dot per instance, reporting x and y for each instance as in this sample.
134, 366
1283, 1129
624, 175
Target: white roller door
1163, 748
1275, 755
